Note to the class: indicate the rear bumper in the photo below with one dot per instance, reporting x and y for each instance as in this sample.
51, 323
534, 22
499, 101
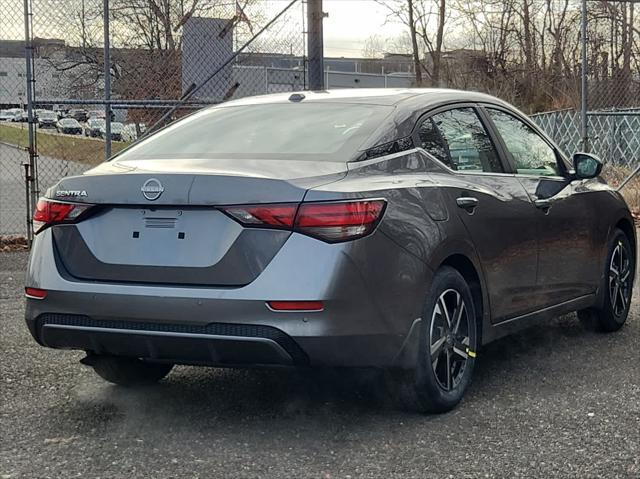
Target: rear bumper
216, 343
370, 309
287, 340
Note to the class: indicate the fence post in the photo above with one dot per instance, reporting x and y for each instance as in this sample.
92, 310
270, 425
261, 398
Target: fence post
584, 133
30, 171
612, 131
315, 45
107, 82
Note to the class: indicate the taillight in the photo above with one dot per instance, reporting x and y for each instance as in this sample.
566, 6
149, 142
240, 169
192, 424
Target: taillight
334, 222
329, 221
50, 212
264, 215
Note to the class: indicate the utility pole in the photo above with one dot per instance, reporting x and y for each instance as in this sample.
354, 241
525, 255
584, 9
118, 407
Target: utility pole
584, 132
315, 44
107, 82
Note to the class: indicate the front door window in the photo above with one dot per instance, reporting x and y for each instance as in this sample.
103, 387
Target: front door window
531, 154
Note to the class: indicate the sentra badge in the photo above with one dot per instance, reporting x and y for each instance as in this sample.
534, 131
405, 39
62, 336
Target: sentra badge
70, 193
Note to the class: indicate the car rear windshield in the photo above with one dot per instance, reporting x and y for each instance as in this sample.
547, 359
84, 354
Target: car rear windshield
297, 131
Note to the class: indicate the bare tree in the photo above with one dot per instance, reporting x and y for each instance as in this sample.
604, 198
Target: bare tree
411, 22
374, 47
419, 17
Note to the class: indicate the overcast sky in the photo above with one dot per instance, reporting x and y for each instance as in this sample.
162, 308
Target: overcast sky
351, 23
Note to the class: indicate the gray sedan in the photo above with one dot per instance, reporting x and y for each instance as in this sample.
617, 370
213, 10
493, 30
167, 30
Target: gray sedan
395, 229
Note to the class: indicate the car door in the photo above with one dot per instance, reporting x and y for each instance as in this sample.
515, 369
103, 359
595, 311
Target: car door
493, 206
568, 255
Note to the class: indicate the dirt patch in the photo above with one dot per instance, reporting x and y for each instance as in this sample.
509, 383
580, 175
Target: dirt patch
13, 243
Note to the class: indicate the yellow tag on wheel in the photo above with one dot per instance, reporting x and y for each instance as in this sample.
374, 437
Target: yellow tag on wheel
471, 354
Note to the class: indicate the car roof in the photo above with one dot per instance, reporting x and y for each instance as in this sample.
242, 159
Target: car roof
408, 104
374, 96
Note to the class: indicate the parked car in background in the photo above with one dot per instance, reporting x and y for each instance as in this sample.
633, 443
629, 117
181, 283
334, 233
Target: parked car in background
47, 119
395, 229
60, 111
69, 126
20, 115
96, 114
99, 114
116, 131
7, 115
94, 127
130, 132
78, 114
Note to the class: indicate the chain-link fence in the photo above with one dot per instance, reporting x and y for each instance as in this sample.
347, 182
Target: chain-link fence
12, 100
614, 135
159, 54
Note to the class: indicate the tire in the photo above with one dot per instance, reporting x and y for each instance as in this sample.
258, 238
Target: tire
129, 371
617, 287
428, 389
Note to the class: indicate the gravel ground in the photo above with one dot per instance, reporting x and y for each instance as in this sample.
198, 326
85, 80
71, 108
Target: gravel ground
554, 401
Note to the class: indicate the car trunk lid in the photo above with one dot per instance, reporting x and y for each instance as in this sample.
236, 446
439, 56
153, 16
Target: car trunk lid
158, 221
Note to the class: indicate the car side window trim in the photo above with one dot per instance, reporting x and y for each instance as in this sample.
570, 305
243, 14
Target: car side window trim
562, 164
461, 173
560, 179
488, 128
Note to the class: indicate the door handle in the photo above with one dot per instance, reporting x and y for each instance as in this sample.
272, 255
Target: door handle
543, 204
467, 202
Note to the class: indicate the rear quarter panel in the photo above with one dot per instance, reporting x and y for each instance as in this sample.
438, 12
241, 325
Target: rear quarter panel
417, 220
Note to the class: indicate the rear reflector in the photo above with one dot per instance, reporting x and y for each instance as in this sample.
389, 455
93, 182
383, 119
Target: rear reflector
50, 212
295, 305
35, 293
329, 221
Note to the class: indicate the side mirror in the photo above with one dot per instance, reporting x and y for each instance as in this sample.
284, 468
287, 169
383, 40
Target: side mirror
586, 166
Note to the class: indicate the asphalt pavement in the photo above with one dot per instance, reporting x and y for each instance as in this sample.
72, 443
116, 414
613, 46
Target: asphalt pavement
552, 401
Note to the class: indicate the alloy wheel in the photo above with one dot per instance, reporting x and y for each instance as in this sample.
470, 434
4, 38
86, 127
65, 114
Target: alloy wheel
449, 339
619, 279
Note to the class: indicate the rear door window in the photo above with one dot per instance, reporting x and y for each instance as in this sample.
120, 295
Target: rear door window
458, 138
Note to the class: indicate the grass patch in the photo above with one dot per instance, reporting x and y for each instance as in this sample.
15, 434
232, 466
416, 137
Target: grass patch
80, 149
